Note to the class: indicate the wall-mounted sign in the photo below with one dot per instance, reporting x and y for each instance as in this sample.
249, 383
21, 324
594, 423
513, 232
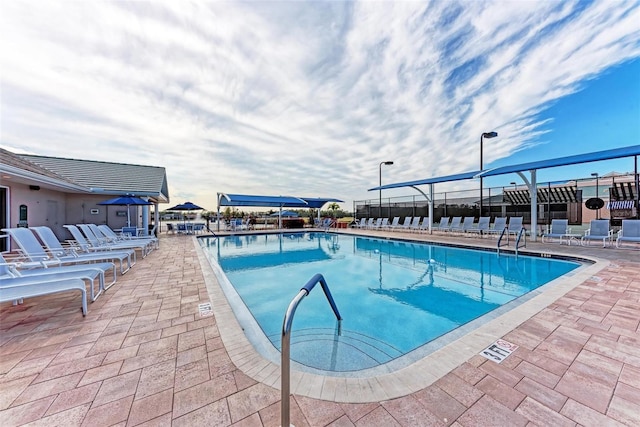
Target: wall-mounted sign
95, 211
121, 213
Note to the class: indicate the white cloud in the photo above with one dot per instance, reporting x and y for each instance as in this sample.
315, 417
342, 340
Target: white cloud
300, 98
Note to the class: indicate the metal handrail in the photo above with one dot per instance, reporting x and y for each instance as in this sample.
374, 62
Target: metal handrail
504, 231
286, 339
521, 233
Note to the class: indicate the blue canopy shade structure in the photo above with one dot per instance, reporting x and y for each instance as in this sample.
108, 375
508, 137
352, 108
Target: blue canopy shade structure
226, 199
531, 181
283, 214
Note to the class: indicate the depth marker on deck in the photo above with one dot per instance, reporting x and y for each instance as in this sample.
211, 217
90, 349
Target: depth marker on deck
205, 309
498, 351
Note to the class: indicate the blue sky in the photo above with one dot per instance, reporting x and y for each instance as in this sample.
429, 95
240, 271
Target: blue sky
307, 98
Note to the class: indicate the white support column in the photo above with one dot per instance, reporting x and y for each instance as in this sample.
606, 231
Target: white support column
430, 208
533, 190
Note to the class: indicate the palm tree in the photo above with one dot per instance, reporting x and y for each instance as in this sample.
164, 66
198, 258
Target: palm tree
333, 207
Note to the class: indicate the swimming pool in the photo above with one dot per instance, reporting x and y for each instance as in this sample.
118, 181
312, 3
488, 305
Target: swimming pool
397, 298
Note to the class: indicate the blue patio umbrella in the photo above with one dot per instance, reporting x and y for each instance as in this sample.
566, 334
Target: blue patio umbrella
186, 206
126, 201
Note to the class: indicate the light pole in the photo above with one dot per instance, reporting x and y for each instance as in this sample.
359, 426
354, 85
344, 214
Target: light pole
484, 135
597, 193
389, 162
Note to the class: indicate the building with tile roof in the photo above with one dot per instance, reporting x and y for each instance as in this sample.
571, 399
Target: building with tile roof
53, 191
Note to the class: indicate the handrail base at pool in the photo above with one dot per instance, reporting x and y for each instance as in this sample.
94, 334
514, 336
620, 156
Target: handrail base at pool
286, 339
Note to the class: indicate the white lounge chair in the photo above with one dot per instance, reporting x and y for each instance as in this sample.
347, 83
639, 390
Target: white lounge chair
86, 272
415, 224
85, 245
598, 230
456, 224
468, 223
482, 227
97, 243
124, 237
629, 233
361, 224
444, 224
394, 223
17, 288
405, 225
55, 248
559, 230
515, 225
499, 224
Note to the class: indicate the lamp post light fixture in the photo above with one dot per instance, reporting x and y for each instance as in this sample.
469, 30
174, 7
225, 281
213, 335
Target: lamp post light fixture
595, 174
484, 135
388, 163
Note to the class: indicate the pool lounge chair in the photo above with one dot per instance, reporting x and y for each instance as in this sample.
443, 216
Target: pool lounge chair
394, 223
598, 230
405, 224
376, 225
415, 224
97, 243
56, 254
482, 227
559, 230
468, 223
86, 272
499, 224
33, 251
629, 233
515, 225
124, 237
87, 250
361, 224
456, 224
444, 224
17, 288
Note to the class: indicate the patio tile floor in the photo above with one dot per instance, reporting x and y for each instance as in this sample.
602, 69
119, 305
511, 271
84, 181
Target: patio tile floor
145, 356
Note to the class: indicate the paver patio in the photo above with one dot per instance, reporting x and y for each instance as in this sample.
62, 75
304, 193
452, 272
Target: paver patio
145, 356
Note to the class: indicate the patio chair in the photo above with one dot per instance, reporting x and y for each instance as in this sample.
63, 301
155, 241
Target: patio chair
468, 223
361, 224
499, 224
455, 225
376, 225
33, 251
630, 232
598, 230
405, 225
170, 228
394, 223
415, 224
444, 224
86, 272
98, 243
72, 254
81, 242
383, 224
559, 230
17, 288
114, 237
515, 225
482, 227
370, 223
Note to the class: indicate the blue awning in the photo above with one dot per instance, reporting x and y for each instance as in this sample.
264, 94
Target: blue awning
225, 199
597, 156
436, 180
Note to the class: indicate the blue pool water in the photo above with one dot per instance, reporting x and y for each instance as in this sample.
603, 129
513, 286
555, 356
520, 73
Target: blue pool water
394, 296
